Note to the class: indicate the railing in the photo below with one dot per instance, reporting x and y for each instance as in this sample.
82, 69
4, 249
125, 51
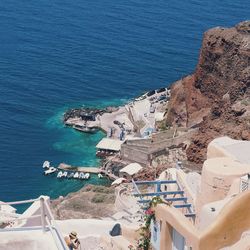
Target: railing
244, 183
47, 221
145, 198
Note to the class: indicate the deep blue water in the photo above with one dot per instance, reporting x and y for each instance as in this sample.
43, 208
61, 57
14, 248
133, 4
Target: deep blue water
60, 54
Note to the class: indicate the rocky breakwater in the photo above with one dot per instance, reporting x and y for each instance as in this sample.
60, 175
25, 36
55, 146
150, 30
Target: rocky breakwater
216, 97
88, 114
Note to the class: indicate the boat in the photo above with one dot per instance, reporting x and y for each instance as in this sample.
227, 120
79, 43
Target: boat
87, 176
46, 164
50, 171
100, 175
71, 175
81, 176
84, 128
65, 174
60, 174
76, 175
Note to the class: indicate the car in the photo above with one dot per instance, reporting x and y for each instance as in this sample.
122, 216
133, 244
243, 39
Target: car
152, 109
150, 93
162, 97
161, 90
117, 122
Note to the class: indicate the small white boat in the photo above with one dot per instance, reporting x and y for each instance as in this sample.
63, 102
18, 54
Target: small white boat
76, 175
85, 128
60, 174
70, 175
100, 175
46, 164
50, 171
65, 174
81, 176
87, 176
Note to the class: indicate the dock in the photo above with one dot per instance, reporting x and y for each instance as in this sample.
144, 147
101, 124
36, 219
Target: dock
91, 170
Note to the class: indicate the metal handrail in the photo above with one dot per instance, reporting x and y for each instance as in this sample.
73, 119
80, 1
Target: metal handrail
25, 218
54, 224
19, 202
55, 237
244, 185
48, 209
9, 214
45, 221
135, 186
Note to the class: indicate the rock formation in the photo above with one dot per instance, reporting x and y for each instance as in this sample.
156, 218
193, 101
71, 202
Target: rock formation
216, 97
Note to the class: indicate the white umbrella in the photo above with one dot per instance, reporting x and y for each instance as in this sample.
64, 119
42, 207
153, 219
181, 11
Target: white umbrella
118, 181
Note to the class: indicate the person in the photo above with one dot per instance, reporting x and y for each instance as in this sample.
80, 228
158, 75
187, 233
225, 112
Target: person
72, 241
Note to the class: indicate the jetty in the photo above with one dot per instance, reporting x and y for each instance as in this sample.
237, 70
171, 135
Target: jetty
91, 170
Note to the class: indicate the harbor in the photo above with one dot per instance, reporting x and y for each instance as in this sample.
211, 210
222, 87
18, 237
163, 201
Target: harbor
139, 119
64, 171
136, 119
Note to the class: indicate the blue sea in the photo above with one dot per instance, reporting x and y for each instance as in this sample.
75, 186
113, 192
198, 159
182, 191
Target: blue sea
60, 54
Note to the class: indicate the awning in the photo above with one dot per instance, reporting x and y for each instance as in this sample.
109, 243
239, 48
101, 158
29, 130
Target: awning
109, 144
131, 169
118, 181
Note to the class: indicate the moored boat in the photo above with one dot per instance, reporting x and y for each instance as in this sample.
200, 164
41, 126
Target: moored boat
60, 174
100, 175
50, 171
84, 128
46, 164
87, 176
70, 175
65, 174
81, 176
76, 175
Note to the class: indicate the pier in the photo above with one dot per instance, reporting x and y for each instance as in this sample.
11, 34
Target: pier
91, 170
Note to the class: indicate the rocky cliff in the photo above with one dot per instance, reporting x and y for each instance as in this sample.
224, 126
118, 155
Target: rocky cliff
216, 97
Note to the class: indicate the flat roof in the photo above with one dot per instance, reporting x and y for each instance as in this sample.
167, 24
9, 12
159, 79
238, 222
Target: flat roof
239, 150
110, 144
131, 169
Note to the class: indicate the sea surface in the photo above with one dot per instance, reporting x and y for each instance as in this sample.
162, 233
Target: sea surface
60, 54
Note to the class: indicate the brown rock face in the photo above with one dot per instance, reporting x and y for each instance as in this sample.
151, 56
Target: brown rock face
216, 98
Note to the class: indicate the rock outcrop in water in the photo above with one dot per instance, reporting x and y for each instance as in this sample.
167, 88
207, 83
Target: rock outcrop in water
216, 98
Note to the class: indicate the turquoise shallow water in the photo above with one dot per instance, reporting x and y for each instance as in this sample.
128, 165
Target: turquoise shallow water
55, 55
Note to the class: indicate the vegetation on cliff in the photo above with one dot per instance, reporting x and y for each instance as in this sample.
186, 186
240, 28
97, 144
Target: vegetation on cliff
89, 202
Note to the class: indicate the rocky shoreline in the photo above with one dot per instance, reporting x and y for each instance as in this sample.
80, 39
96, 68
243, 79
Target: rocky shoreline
133, 117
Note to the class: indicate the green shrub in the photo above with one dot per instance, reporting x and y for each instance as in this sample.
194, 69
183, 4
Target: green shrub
98, 198
101, 189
